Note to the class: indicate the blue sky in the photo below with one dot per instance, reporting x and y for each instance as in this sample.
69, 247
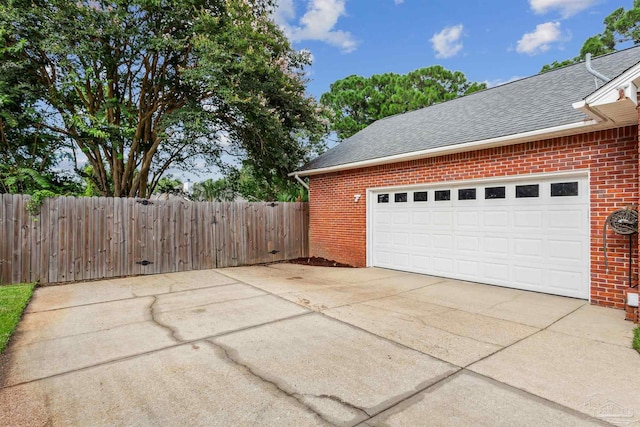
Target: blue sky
493, 41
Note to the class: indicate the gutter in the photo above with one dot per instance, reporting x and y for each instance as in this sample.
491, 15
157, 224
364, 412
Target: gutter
450, 149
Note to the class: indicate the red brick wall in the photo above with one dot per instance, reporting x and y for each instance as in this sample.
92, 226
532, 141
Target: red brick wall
338, 228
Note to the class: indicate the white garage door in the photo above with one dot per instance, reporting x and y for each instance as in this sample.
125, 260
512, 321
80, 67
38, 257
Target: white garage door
528, 234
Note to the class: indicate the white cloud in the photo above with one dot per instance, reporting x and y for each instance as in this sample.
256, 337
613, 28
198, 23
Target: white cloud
447, 42
541, 38
317, 23
398, 1
566, 8
285, 12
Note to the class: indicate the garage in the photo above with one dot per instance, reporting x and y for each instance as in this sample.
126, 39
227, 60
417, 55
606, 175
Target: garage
529, 233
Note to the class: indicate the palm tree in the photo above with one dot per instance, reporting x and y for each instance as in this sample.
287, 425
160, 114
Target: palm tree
213, 191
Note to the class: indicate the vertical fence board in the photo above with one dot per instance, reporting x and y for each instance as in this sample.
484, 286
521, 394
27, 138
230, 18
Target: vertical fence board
33, 249
163, 230
87, 250
15, 238
25, 240
71, 231
4, 244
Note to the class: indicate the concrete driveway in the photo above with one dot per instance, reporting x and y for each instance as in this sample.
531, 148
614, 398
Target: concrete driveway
295, 345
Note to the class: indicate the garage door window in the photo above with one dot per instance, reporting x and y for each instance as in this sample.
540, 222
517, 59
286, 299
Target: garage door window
494, 193
400, 197
564, 189
442, 195
420, 196
467, 194
523, 191
383, 198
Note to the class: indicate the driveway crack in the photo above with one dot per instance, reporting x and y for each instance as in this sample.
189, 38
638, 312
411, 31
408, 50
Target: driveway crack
298, 397
172, 332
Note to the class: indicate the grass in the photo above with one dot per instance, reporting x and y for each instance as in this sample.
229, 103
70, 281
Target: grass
13, 300
636, 339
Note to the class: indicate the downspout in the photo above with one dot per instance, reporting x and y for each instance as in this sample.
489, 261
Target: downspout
301, 181
590, 69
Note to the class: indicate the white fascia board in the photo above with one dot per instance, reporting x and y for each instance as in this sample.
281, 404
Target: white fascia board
453, 149
609, 93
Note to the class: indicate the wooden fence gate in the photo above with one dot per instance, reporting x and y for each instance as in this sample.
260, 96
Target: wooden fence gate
74, 239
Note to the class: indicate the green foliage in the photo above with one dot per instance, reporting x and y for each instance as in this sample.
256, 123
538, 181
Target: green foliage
37, 199
168, 185
557, 64
636, 339
355, 102
220, 190
13, 300
621, 26
140, 86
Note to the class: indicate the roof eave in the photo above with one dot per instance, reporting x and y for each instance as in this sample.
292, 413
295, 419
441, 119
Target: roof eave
534, 135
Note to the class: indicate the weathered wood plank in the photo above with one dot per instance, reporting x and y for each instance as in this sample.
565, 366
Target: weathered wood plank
77, 239
5, 275
70, 238
22, 261
61, 260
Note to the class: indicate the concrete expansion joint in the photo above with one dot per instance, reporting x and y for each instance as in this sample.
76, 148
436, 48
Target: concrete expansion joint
173, 334
227, 354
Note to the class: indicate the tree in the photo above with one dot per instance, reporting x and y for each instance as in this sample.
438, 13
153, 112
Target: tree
28, 152
138, 86
168, 184
355, 102
621, 26
209, 190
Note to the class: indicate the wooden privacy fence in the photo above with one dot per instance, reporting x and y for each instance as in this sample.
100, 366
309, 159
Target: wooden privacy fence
75, 239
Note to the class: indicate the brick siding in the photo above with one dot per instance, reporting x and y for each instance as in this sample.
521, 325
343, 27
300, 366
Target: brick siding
338, 224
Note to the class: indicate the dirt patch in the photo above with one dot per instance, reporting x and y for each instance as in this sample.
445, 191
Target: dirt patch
318, 262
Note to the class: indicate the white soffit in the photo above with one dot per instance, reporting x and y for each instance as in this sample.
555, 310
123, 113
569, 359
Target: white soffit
616, 101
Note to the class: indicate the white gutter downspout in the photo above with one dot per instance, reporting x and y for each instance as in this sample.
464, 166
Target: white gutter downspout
594, 72
304, 184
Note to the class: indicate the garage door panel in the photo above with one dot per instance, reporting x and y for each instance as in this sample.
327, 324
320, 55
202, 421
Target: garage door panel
442, 241
496, 273
565, 219
496, 245
384, 238
528, 247
468, 268
562, 280
401, 239
420, 240
527, 276
443, 218
400, 218
421, 218
534, 243
527, 219
467, 243
420, 263
383, 218
442, 265
495, 219
567, 250
467, 219
401, 260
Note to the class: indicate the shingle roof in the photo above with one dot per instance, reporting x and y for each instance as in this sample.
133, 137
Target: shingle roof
538, 102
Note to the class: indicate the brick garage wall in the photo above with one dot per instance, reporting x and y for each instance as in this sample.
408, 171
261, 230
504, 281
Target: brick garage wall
338, 224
